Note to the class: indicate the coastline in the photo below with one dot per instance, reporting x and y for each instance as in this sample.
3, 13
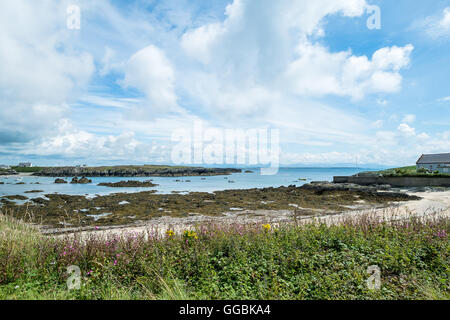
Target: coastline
17, 175
431, 205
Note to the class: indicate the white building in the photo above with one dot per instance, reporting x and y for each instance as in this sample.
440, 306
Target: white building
25, 164
434, 162
4, 166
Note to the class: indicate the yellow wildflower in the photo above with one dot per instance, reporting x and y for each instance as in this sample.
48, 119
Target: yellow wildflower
170, 233
189, 234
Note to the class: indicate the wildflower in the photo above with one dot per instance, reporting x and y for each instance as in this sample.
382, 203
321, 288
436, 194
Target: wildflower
189, 234
266, 227
170, 233
115, 262
96, 228
441, 234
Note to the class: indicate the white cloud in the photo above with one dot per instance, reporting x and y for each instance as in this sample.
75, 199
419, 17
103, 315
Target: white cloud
423, 136
377, 124
382, 102
319, 72
409, 118
262, 53
444, 99
436, 26
110, 101
444, 23
151, 72
40, 70
71, 142
406, 130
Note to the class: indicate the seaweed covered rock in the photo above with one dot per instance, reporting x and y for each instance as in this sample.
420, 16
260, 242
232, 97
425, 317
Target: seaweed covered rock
128, 184
15, 197
82, 180
60, 181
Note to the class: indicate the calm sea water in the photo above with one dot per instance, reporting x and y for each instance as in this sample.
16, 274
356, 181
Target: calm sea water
285, 177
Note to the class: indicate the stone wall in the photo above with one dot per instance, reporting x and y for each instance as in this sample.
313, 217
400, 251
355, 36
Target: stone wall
396, 181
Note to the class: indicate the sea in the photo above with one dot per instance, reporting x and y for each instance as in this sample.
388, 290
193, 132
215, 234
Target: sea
284, 177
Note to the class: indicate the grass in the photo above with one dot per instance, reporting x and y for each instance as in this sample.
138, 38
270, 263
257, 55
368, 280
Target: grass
26, 169
408, 171
312, 261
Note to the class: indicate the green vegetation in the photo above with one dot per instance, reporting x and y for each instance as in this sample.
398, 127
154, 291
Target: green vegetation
27, 169
234, 262
409, 171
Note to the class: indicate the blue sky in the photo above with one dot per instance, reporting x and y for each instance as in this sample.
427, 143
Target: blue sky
115, 90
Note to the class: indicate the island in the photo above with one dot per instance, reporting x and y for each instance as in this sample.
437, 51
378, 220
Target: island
128, 184
133, 171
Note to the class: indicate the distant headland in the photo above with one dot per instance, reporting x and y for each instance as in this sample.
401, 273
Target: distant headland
131, 171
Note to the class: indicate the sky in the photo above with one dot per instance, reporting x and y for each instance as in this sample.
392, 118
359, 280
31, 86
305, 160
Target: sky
115, 88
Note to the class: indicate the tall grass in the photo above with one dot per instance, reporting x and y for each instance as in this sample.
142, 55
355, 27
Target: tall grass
312, 261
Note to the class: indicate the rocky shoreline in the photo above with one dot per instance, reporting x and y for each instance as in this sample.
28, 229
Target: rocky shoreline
133, 171
8, 172
60, 211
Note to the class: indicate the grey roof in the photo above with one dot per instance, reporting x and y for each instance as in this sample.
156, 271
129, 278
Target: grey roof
434, 158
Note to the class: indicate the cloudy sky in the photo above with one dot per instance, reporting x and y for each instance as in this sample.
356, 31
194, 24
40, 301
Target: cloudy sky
117, 88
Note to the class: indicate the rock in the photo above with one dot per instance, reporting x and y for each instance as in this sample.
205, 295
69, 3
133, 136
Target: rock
322, 186
60, 180
329, 186
15, 197
128, 184
7, 172
82, 180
